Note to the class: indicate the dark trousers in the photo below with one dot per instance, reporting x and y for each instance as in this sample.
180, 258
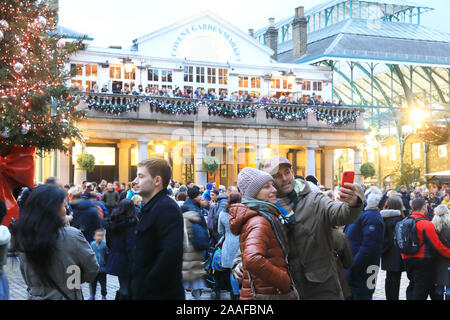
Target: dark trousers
420, 274
101, 277
392, 285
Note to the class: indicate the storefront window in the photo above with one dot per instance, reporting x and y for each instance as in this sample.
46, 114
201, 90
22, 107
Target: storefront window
90, 85
442, 151
166, 75
223, 76
152, 75
131, 75
212, 75
91, 70
200, 74
115, 72
306, 86
103, 156
77, 84
188, 74
78, 68
317, 86
415, 151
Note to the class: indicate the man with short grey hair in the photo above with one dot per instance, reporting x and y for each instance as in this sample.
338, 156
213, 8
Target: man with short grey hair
309, 216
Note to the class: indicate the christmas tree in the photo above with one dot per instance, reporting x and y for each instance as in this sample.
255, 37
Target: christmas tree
36, 107
37, 110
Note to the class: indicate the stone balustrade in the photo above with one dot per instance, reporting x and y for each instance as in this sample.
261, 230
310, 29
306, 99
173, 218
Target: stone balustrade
163, 109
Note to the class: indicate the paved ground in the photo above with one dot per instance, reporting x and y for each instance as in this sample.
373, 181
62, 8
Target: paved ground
18, 288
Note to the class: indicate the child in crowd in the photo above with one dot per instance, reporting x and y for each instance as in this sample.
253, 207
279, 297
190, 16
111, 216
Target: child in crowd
101, 250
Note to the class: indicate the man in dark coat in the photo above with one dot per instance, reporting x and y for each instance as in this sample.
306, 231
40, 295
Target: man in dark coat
86, 218
156, 272
405, 199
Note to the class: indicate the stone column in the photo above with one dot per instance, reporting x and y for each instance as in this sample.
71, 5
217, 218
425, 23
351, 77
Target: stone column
259, 154
54, 170
199, 154
124, 161
143, 151
64, 168
329, 167
79, 174
358, 157
311, 160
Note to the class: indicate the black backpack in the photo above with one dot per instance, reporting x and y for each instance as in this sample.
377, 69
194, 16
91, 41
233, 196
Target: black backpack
405, 235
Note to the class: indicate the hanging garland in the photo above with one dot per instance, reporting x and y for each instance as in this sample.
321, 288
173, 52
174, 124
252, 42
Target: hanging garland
337, 117
291, 113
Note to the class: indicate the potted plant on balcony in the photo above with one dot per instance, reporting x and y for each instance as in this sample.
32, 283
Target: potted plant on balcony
86, 161
210, 165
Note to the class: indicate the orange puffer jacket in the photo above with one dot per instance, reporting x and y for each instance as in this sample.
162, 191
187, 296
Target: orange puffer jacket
262, 255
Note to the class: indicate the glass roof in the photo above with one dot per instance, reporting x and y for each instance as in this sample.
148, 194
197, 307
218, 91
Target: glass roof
390, 6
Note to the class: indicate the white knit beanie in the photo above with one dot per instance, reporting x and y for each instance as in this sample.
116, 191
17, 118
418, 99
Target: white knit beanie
251, 180
373, 196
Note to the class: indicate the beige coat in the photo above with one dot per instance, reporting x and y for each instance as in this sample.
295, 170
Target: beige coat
193, 268
73, 254
311, 257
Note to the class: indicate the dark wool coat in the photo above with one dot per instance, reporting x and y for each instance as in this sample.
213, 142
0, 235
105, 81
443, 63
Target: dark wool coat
391, 257
120, 235
366, 238
86, 219
158, 251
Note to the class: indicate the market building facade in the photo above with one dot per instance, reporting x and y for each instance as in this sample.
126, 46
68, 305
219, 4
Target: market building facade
203, 52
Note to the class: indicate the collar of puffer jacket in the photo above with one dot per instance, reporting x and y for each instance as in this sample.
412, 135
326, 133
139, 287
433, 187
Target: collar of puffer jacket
388, 213
5, 236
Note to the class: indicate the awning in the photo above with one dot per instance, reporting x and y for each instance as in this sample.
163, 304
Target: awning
441, 174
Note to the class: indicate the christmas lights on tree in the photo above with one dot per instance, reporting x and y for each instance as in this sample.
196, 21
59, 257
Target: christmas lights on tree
36, 107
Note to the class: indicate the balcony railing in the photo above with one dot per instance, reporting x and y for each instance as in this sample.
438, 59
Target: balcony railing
106, 105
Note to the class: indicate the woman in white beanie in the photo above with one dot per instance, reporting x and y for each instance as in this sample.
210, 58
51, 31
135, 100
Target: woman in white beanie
441, 222
263, 241
366, 238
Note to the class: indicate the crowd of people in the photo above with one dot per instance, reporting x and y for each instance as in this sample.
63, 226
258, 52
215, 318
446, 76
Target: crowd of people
203, 94
273, 236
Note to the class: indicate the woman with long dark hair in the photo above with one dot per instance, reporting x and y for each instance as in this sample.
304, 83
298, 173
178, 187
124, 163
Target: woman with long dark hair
54, 259
120, 234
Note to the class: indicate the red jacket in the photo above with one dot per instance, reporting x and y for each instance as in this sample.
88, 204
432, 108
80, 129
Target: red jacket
262, 255
429, 240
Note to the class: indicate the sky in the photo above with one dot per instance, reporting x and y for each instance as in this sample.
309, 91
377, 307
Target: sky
118, 22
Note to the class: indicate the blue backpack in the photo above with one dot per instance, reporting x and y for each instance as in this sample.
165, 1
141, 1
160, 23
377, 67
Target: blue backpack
200, 237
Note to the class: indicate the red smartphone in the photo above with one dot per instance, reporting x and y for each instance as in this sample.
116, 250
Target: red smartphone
347, 177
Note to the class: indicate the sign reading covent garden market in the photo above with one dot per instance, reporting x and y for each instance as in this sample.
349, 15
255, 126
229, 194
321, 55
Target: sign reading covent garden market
206, 27
201, 53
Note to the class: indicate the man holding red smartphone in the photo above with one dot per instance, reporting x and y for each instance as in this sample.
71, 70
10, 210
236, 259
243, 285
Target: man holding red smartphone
310, 216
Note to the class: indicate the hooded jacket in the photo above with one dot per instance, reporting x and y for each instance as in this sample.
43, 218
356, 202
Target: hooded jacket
85, 218
262, 255
391, 258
